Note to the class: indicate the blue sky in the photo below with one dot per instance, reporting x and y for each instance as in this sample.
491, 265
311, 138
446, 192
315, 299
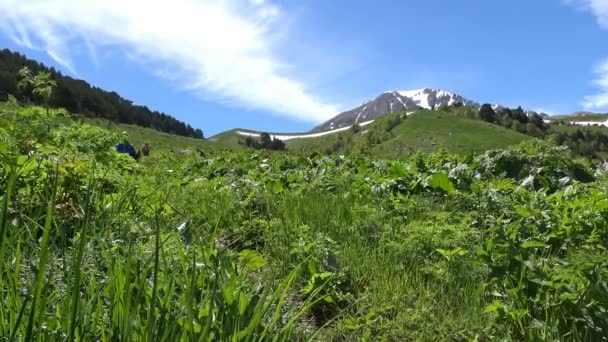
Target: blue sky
282, 65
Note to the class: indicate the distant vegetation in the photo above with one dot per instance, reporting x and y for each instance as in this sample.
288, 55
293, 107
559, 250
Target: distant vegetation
586, 141
397, 135
265, 141
78, 96
507, 244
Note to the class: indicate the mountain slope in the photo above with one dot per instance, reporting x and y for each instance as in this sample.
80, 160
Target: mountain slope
78, 96
384, 104
583, 118
430, 130
433, 98
395, 135
394, 101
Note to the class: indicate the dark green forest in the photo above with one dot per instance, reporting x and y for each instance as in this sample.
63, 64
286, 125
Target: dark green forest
78, 96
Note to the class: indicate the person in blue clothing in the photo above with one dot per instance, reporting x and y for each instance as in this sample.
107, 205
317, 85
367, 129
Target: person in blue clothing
127, 148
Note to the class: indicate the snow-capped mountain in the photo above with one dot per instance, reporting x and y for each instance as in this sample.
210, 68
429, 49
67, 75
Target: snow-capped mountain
428, 98
394, 101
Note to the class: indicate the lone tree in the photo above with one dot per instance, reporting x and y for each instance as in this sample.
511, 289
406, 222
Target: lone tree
277, 144
487, 113
266, 140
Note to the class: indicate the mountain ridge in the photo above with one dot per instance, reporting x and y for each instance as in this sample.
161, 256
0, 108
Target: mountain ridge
393, 101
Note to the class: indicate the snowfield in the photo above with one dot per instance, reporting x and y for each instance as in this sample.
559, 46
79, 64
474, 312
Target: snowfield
591, 123
585, 123
419, 96
301, 136
304, 136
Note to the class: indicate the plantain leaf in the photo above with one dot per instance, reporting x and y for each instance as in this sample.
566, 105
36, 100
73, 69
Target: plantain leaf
252, 260
442, 181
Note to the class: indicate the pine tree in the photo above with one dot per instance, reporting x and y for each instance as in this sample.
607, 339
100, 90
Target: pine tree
487, 113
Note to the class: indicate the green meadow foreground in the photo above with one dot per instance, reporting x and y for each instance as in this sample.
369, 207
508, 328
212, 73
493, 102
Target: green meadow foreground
248, 245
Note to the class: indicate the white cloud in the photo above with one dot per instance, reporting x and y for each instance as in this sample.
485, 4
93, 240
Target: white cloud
599, 8
218, 48
599, 100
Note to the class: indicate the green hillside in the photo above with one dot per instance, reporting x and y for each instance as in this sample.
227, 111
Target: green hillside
508, 245
581, 116
160, 141
230, 138
424, 131
78, 96
137, 135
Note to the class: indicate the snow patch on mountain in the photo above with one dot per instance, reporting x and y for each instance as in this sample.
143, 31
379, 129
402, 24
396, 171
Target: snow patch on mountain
591, 123
429, 98
300, 136
394, 101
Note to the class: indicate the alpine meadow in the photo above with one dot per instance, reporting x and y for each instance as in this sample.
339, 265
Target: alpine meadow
418, 215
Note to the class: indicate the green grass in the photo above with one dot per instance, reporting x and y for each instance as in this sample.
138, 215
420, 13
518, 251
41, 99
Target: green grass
424, 131
159, 141
228, 138
232, 138
248, 247
138, 136
582, 116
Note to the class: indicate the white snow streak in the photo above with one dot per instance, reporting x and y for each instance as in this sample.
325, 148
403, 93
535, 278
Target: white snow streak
301, 136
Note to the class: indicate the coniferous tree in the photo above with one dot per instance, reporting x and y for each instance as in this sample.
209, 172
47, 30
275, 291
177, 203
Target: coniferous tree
265, 140
487, 113
79, 97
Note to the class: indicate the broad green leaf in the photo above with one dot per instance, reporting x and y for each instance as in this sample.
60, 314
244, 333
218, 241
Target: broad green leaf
274, 185
481, 252
252, 260
525, 212
22, 160
243, 302
494, 307
397, 170
441, 181
294, 177
532, 244
312, 267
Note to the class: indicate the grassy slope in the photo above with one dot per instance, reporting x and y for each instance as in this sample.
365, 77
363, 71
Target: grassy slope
159, 141
232, 138
582, 116
228, 138
427, 131
413, 272
570, 129
423, 131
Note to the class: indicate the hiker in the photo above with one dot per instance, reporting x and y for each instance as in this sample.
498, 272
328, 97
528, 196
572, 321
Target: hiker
146, 150
126, 148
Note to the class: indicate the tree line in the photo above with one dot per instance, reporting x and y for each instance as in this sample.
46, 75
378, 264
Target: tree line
265, 142
590, 142
78, 96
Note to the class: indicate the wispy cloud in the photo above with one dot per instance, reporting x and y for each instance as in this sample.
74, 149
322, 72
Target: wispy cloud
599, 8
218, 48
599, 100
